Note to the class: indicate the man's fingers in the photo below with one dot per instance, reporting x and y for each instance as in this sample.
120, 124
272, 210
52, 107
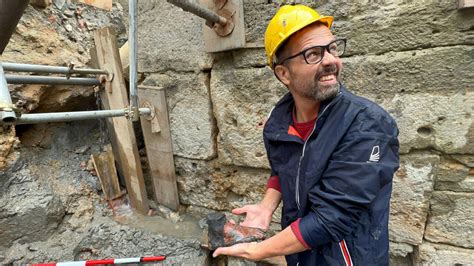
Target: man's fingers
218, 252
240, 210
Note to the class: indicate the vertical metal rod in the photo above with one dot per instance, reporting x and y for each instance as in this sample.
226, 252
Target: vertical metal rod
133, 57
7, 114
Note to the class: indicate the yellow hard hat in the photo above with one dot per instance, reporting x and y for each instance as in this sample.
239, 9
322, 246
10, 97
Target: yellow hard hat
288, 20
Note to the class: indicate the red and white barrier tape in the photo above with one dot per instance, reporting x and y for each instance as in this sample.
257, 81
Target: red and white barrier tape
106, 261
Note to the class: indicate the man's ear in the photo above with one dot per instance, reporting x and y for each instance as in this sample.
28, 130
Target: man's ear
283, 74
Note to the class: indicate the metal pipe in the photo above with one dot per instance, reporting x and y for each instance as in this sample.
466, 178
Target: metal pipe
199, 11
7, 114
74, 116
17, 79
15, 67
10, 13
132, 9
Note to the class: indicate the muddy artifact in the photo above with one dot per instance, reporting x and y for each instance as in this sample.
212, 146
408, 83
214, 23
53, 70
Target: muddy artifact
224, 233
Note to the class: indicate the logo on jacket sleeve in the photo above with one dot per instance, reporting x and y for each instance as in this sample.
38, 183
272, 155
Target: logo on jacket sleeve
375, 155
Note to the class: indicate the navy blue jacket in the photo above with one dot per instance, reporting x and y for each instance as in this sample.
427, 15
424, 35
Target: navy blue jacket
338, 181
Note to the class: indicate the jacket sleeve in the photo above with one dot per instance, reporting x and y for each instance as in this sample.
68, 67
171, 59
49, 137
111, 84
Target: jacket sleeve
274, 173
362, 164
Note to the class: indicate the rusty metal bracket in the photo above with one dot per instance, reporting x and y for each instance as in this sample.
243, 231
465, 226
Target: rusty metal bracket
228, 28
155, 125
107, 80
70, 68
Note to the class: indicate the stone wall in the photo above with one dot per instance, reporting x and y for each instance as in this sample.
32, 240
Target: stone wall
415, 58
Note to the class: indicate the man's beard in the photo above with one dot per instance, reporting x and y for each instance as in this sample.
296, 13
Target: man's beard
322, 93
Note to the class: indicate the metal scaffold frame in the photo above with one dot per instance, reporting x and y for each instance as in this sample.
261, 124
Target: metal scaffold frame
10, 114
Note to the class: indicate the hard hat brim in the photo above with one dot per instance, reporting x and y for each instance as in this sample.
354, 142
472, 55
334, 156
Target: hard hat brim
327, 20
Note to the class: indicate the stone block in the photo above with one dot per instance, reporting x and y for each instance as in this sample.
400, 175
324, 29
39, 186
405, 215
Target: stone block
257, 14
450, 219
394, 25
454, 176
400, 249
242, 99
248, 58
436, 254
465, 159
190, 113
412, 187
430, 70
220, 188
400, 261
438, 121
400, 254
401, 25
169, 39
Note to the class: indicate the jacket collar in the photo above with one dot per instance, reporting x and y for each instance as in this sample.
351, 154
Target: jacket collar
281, 116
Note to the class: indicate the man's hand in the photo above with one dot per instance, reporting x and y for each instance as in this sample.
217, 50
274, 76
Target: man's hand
243, 250
283, 243
260, 215
257, 216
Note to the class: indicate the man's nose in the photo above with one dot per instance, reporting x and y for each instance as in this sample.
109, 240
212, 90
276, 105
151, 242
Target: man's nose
328, 58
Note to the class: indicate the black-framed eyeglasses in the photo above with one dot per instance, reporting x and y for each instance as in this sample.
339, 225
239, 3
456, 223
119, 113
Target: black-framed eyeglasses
315, 54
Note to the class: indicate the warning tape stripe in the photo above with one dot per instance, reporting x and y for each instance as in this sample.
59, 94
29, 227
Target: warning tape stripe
104, 261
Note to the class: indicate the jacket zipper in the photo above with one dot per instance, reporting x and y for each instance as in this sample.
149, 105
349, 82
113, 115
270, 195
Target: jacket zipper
301, 158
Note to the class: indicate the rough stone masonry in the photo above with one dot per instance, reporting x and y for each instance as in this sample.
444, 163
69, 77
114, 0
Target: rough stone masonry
415, 58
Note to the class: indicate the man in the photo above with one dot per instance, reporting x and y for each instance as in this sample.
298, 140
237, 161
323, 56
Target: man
332, 155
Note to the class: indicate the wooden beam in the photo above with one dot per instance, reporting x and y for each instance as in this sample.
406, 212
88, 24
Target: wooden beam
109, 59
159, 150
94, 62
125, 58
104, 4
465, 4
104, 165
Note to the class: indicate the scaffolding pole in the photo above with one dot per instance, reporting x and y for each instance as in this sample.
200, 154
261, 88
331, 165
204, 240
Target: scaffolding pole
199, 11
7, 114
74, 116
16, 67
132, 9
48, 80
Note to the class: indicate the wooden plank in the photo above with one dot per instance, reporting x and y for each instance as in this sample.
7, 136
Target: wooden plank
125, 58
109, 59
104, 165
216, 43
465, 4
94, 62
159, 149
104, 4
